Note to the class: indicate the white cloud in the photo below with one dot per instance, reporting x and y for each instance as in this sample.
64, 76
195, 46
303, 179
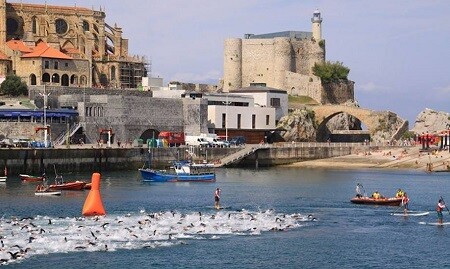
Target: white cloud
371, 87
445, 89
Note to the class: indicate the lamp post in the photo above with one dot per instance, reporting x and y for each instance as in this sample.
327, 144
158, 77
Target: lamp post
45, 95
226, 117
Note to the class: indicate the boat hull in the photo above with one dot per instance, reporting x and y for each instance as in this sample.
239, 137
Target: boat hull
382, 201
3, 179
150, 175
28, 178
47, 193
69, 186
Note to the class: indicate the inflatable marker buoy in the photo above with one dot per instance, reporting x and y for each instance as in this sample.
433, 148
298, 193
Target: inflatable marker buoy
93, 206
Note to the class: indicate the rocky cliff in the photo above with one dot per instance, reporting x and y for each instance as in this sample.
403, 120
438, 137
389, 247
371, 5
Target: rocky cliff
431, 121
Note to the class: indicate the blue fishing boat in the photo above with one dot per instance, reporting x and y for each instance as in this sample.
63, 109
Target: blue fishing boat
181, 171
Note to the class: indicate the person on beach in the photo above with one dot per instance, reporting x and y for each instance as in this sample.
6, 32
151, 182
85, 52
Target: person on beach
217, 198
440, 206
405, 201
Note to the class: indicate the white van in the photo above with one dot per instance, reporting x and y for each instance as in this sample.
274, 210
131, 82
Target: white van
215, 141
193, 140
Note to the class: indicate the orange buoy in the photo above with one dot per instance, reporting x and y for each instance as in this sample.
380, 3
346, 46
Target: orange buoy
93, 206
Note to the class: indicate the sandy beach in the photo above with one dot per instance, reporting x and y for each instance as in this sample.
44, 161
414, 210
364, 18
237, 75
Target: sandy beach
393, 158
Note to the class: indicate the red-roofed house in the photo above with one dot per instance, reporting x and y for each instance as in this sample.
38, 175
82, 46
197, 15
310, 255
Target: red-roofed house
44, 64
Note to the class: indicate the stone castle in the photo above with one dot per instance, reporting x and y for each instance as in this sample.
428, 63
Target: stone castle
65, 46
282, 60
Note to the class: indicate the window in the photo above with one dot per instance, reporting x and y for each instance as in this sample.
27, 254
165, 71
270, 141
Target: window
66, 64
239, 121
61, 26
275, 102
34, 25
224, 119
85, 26
55, 65
267, 119
253, 121
11, 26
46, 64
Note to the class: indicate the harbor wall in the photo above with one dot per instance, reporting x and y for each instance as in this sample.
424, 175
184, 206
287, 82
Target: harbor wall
36, 161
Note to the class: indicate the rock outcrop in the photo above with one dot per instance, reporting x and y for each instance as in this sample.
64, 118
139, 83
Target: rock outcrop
431, 121
298, 126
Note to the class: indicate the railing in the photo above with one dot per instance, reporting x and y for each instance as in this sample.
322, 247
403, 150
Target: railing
62, 137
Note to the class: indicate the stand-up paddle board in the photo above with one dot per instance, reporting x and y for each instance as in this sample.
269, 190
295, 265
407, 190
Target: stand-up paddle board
411, 214
435, 223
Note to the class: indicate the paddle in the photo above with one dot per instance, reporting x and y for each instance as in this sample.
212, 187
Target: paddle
445, 205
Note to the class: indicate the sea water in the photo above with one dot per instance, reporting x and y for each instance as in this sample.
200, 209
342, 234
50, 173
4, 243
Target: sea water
273, 218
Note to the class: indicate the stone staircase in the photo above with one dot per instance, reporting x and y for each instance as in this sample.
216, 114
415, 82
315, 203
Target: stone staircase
63, 136
247, 150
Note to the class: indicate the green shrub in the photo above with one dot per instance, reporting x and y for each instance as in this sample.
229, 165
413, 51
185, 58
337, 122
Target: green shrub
13, 86
330, 71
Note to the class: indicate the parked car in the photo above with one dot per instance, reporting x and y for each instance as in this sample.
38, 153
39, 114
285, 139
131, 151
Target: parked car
237, 141
6, 143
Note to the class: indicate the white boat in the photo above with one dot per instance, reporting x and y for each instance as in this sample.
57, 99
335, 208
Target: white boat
3, 178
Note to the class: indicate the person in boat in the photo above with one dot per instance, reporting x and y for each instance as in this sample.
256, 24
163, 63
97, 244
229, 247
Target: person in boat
399, 193
377, 195
405, 201
217, 198
440, 206
358, 190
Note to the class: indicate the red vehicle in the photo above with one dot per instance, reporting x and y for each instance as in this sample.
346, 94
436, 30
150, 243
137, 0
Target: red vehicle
173, 139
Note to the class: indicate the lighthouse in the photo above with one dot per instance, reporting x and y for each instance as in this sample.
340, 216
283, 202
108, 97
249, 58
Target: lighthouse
316, 25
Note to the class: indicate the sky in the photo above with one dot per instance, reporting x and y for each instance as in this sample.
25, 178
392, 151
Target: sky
398, 51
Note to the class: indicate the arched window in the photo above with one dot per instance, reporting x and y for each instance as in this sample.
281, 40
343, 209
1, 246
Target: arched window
55, 78
46, 77
34, 25
83, 80
65, 80
74, 80
32, 79
113, 72
85, 26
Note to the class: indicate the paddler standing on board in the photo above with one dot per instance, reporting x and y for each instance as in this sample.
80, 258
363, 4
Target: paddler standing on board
405, 201
440, 206
217, 198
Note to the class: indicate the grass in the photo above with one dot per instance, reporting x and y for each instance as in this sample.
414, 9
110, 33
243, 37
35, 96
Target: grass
296, 101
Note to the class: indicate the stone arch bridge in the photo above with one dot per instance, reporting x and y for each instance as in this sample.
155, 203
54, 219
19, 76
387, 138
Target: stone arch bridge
373, 120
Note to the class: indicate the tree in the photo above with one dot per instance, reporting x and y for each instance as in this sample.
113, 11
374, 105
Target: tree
330, 71
13, 86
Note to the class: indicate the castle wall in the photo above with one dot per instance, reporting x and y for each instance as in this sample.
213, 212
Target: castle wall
232, 64
257, 61
282, 61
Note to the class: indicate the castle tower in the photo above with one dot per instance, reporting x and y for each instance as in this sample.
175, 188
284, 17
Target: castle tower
316, 25
282, 60
232, 64
2, 25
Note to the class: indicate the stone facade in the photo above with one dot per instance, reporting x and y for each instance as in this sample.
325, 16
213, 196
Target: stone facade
78, 32
282, 60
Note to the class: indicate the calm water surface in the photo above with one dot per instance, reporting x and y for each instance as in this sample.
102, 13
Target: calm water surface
240, 236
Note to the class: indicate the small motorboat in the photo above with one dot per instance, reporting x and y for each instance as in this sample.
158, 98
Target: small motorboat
30, 178
392, 201
68, 186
